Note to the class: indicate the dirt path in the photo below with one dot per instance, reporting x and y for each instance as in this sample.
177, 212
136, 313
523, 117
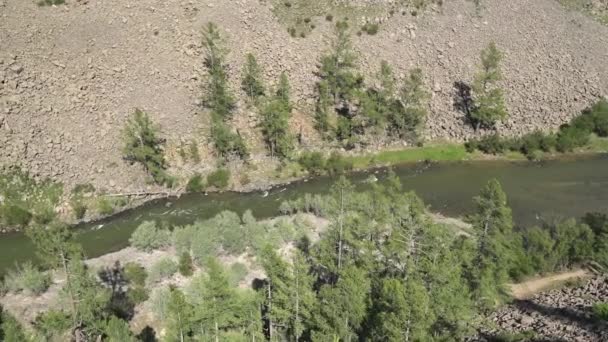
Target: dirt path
533, 286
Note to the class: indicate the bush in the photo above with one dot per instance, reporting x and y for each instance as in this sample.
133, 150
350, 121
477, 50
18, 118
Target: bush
370, 28
182, 238
219, 178
196, 183
185, 264
337, 164
491, 144
14, 215
571, 137
53, 324
104, 207
135, 274
159, 302
329, 17
137, 294
148, 237
78, 208
313, 162
164, 268
600, 310
27, 279
237, 273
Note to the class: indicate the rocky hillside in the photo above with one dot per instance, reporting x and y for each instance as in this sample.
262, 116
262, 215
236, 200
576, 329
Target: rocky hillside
71, 74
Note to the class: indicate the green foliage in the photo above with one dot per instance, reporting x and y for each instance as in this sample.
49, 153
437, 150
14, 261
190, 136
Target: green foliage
275, 115
370, 28
186, 268
196, 183
313, 162
600, 310
143, 145
238, 271
148, 237
135, 274
28, 279
10, 329
337, 164
43, 3
252, 83
409, 112
489, 99
162, 269
117, 330
52, 324
25, 199
137, 294
219, 178
159, 302
218, 99
104, 206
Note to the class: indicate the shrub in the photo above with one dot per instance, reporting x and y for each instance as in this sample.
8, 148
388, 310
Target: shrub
137, 294
571, 137
238, 271
78, 208
14, 215
104, 207
337, 164
159, 302
52, 323
185, 264
600, 310
219, 178
370, 28
28, 279
182, 238
491, 144
329, 17
135, 274
195, 184
313, 162
163, 268
148, 237
194, 152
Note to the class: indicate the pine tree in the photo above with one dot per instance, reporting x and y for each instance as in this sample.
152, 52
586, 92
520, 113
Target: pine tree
252, 82
143, 145
302, 297
495, 249
217, 313
488, 96
410, 111
179, 317
275, 121
277, 293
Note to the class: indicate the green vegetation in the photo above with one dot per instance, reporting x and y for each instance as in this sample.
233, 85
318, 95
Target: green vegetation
196, 183
10, 329
315, 163
435, 152
136, 276
275, 113
489, 104
148, 237
600, 310
162, 269
43, 3
28, 279
219, 178
370, 28
218, 98
596, 10
25, 200
577, 134
353, 114
143, 145
237, 273
252, 83
186, 267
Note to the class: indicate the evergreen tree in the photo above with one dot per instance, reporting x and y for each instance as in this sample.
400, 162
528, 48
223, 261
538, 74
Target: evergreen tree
217, 314
489, 99
142, 145
179, 317
495, 248
277, 293
252, 82
275, 120
302, 298
218, 99
410, 111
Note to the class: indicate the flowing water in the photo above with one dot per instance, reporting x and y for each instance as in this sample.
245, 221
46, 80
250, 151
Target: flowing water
552, 189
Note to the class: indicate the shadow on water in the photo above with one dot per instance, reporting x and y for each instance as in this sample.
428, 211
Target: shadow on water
564, 188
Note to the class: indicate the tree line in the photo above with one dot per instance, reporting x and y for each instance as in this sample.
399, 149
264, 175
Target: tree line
347, 113
381, 270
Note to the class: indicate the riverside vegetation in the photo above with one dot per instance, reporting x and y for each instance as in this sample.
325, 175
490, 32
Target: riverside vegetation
380, 269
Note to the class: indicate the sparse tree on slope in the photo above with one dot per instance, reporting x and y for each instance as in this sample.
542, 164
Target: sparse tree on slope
488, 96
252, 82
275, 120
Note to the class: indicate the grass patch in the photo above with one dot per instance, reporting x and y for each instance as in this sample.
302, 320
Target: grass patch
435, 152
587, 7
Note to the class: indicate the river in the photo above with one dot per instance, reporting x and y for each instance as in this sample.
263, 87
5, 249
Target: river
551, 189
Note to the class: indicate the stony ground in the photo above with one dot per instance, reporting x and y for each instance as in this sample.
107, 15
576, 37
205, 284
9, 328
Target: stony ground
70, 75
558, 315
